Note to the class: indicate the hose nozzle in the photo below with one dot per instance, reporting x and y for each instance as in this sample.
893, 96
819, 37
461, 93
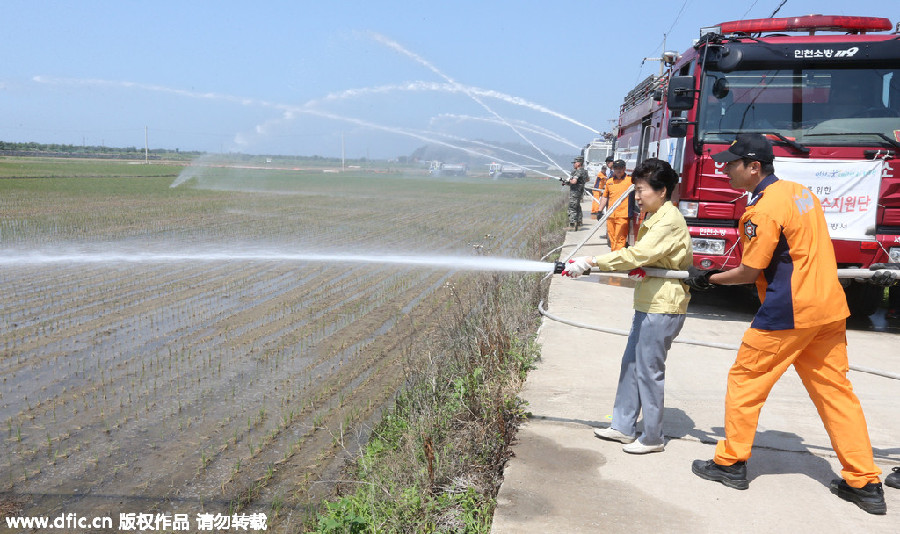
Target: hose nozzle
558, 267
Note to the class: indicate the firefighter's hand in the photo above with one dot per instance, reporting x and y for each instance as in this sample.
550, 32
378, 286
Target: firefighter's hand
577, 266
888, 274
699, 279
637, 274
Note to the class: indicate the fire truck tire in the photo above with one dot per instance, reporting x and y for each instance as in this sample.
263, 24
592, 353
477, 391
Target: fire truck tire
863, 299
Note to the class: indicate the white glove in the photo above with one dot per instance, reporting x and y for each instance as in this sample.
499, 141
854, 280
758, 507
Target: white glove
637, 275
577, 266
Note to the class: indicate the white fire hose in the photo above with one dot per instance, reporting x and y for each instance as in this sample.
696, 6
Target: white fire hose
856, 274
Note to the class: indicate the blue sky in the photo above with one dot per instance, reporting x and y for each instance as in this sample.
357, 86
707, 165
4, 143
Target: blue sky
297, 77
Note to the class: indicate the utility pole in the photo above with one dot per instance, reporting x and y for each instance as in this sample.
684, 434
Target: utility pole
342, 151
146, 146
662, 62
660, 59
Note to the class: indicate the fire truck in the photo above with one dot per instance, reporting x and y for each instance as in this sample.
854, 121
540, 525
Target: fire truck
439, 168
595, 154
824, 89
498, 170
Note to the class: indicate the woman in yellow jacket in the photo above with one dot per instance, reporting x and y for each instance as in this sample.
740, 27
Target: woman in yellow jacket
660, 305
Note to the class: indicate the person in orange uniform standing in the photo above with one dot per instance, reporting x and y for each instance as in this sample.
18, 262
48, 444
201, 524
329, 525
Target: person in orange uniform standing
617, 221
801, 322
599, 187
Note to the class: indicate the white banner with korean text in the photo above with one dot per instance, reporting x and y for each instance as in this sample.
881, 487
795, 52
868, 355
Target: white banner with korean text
847, 189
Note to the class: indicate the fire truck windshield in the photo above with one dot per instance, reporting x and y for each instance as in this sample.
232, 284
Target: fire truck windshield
813, 105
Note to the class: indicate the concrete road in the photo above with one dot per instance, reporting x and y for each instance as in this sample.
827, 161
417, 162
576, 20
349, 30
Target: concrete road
562, 479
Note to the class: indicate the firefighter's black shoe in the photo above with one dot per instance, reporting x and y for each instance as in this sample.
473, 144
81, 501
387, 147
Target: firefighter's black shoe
869, 497
733, 476
893, 480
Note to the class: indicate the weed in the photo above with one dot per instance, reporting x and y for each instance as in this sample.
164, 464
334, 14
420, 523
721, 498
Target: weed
458, 411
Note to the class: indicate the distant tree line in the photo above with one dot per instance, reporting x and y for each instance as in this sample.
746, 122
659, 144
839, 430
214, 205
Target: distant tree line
92, 151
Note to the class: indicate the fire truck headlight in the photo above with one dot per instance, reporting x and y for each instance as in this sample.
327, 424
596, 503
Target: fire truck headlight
894, 254
703, 245
689, 209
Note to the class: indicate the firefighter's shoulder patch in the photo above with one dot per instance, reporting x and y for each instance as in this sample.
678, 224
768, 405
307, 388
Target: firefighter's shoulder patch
750, 229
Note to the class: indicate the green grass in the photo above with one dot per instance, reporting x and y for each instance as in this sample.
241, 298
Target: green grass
15, 167
433, 462
52, 200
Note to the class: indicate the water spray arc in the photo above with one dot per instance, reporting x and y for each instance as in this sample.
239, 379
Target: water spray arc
396, 46
290, 112
459, 263
497, 148
537, 130
409, 133
451, 88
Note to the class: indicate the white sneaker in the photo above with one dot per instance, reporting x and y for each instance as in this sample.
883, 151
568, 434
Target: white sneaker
639, 448
613, 435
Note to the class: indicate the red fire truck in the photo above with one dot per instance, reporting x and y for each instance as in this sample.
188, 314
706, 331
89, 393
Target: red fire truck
824, 89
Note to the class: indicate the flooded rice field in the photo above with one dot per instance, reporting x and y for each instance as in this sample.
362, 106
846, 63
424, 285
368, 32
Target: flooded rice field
157, 355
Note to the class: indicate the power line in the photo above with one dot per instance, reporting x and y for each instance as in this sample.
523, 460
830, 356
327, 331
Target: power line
674, 21
749, 8
662, 43
777, 9
678, 16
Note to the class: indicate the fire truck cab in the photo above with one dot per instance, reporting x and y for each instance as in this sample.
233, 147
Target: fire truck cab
830, 103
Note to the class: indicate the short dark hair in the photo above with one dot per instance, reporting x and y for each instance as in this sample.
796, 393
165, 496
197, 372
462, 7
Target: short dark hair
658, 174
765, 167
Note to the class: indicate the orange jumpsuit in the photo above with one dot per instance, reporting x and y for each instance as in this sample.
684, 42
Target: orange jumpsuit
599, 185
801, 322
617, 222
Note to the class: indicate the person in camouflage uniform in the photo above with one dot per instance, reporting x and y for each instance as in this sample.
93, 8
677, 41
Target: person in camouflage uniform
576, 183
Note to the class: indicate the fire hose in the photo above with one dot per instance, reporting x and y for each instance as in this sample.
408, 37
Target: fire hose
857, 274
559, 267
695, 342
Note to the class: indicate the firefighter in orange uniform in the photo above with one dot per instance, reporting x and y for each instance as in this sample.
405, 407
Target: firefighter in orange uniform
599, 187
801, 322
617, 221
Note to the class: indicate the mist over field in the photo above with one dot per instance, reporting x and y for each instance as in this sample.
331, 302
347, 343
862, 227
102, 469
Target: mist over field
189, 348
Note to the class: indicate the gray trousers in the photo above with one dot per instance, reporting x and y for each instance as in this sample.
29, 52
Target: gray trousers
643, 374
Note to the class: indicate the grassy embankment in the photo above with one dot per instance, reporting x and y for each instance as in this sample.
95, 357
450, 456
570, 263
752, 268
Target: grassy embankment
435, 461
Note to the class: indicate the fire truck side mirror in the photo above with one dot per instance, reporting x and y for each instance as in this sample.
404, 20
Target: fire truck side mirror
677, 127
681, 93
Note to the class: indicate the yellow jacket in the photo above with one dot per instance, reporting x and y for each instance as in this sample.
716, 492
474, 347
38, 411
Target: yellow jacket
663, 242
